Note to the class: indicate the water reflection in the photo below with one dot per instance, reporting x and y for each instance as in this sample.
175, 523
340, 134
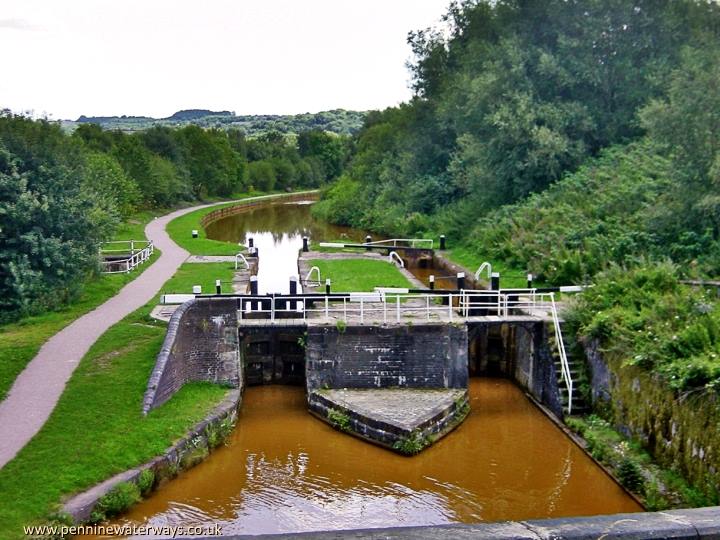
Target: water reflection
277, 231
284, 470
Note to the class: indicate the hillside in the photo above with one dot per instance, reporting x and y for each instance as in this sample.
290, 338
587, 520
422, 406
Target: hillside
337, 121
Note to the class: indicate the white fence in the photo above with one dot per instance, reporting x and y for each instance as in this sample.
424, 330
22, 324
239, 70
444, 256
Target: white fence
121, 256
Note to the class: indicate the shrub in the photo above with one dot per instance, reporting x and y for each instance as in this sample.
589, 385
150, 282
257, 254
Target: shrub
339, 419
630, 475
119, 499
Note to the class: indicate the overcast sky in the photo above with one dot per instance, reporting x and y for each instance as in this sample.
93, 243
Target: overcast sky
154, 57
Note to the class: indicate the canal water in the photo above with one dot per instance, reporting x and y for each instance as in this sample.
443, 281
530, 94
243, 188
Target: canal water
285, 471
277, 231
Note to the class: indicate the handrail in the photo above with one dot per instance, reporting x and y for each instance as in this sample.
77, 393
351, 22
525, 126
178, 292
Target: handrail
482, 267
564, 366
136, 256
394, 253
240, 256
394, 241
313, 269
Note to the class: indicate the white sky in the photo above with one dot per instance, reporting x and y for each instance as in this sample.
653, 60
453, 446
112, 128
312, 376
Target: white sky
154, 57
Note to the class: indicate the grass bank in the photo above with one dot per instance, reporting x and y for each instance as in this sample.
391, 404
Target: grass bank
180, 229
97, 429
20, 341
633, 466
360, 274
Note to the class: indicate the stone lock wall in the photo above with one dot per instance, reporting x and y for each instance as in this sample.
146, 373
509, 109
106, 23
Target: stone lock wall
680, 431
201, 344
417, 356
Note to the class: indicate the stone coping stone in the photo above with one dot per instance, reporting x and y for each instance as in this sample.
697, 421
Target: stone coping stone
406, 409
701, 523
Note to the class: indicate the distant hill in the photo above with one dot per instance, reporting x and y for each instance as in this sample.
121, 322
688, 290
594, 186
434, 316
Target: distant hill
337, 121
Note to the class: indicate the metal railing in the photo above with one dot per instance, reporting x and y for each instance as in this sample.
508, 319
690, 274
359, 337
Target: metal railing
240, 257
125, 259
402, 242
394, 254
309, 275
564, 365
483, 266
387, 304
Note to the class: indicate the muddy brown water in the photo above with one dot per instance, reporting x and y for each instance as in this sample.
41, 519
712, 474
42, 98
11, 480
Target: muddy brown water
285, 471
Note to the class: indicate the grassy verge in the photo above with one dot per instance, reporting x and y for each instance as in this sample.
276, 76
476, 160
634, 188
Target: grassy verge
203, 274
510, 278
180, 230
659, 488
20, 341
97, 430
360, 274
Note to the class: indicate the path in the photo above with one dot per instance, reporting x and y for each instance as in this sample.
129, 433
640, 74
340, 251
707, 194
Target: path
37, 389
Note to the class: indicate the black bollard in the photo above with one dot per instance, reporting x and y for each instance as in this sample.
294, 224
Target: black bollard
461, 280
442, 242
431, 279
495, 281
251, 242
529, 281
306, 247
293, 290
218, 287
253, 286
327, 286
194, 233
368, 239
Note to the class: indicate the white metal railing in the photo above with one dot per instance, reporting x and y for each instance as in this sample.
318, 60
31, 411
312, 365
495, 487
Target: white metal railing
564, 366
394, 254
402, 242
309, 275
133, 254
240, 257
387, 304
483, 266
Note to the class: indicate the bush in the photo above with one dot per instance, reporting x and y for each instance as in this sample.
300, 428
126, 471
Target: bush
119, 499
630, 475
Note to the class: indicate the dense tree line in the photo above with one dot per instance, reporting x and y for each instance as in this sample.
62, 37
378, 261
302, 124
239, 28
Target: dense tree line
517, 94
61, 195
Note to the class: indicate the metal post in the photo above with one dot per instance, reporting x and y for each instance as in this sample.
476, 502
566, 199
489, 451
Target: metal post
431, 279
529, 281
368, 239
427, 307
442, 242
461, 281
495, 281
253, 285
218, 287
450, 306
305, 247
293, 290
194, 233
327, 307
251, 242
362, 310
327, 286
397, 308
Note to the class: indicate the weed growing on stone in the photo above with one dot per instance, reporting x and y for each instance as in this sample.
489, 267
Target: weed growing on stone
119, 499
341, 326
412, 444
145, 482
339, 419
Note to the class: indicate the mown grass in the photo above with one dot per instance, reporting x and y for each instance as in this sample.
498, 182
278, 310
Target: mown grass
203, 274
97, 429
360, 274
20, 341
510, 278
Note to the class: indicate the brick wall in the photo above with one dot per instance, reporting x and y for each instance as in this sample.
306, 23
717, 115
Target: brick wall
201, 344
